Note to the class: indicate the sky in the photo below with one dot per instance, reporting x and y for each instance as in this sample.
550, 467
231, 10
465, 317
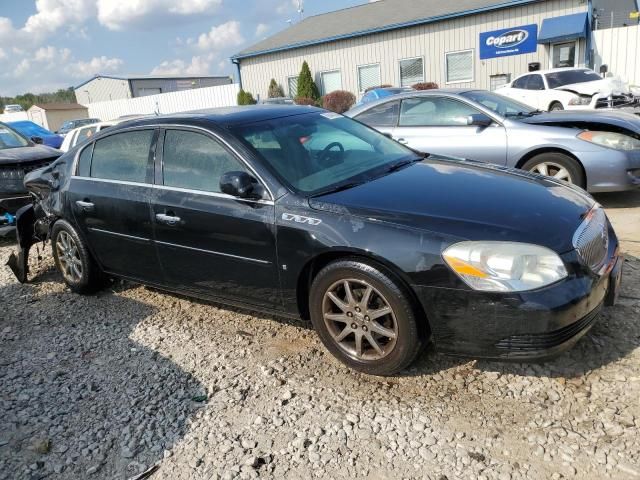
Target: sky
50, 44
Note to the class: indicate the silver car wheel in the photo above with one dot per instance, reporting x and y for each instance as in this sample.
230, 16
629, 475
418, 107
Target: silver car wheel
69, 257
554, 170
359, 319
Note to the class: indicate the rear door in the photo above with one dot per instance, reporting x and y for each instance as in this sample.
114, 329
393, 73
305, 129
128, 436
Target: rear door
210, 243
110, 196
434, 124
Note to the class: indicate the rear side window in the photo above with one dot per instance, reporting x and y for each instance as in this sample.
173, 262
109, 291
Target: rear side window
521, 82
535, 83
195, 161
84, 162
123, 156
385, 115
434, 112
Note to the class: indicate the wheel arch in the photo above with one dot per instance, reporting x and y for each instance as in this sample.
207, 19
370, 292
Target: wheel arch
318, 262
538, 151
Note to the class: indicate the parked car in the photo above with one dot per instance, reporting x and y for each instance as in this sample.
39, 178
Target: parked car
569, 89
71, 124
19, 155
380, 247
596, 150
277, 101
378, 93
79, 135
13, 108
37, 133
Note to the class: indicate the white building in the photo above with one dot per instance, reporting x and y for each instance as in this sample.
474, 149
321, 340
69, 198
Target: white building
462, 43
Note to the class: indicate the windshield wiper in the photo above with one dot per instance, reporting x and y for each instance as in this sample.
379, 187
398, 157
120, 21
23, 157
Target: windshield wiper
394, 167
338, 188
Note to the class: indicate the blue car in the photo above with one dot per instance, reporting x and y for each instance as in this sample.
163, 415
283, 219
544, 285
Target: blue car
378, 93
31, 130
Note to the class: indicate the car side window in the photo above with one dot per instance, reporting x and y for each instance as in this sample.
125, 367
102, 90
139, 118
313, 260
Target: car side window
123, 156
85, 133
521, 82
535, 82
385, 115
84, 162
434, 112
196, 161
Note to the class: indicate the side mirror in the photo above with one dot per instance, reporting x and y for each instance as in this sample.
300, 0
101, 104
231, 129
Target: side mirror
37, 140
241, 185
479, 120
387, 134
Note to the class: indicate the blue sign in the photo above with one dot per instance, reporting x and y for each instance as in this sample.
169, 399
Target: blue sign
509, 41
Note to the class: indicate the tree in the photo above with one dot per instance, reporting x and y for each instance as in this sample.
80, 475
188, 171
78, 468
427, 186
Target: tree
246, 98
307, 88
275, 89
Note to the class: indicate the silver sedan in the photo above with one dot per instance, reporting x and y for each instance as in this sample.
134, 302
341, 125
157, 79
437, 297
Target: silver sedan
598, 151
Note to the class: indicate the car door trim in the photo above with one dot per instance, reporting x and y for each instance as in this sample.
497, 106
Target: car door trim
108, 180
212, 252
213, 194
122, 235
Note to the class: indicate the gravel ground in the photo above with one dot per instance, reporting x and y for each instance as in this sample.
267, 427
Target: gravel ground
109, 385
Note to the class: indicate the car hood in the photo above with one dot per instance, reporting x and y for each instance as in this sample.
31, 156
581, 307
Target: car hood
617, 118
606, 86
470, 201
28, 154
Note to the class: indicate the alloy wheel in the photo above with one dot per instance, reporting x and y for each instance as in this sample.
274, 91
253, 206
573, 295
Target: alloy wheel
359, 319
69, 257
554, 170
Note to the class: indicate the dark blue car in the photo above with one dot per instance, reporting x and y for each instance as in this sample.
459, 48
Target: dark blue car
30, 129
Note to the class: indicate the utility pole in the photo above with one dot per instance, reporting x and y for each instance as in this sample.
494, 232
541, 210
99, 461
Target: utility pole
301, 8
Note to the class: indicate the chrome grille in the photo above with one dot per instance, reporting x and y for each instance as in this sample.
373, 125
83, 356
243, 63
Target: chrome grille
591, 239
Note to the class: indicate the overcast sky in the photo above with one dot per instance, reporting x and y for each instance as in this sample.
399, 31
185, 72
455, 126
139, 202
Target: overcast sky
51, 44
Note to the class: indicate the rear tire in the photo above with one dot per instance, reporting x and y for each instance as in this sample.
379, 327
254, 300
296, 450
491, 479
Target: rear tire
556, 165
371, 327
555, 106
73, 260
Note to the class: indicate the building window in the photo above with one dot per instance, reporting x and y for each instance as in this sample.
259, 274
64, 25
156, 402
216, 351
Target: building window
292, 85
564, 54
496, 81
145, 92
459, 66
411, 71
368, 76
330, 81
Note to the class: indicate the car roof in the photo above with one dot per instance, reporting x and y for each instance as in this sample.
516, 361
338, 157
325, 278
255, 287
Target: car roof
228, 115
553, 70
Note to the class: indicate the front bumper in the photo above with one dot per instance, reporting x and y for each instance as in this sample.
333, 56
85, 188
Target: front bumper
611, 170
521, 326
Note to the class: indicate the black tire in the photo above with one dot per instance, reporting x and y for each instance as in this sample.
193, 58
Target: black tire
401, 351
576, 173
90, 279
555, 106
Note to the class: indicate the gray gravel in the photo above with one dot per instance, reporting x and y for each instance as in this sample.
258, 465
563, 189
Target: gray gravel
109, 385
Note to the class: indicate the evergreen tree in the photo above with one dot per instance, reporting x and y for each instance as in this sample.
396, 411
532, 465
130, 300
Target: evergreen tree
275, 90
307, 88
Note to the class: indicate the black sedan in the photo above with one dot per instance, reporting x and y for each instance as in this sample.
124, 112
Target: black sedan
18, 155
302, 212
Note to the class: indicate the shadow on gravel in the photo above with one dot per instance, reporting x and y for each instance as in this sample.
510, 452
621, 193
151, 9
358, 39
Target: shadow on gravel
79, 397
630, 199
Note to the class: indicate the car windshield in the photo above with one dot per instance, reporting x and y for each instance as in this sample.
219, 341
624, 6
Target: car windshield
30, 129
568, 77
322, 152
501, 105
11, 139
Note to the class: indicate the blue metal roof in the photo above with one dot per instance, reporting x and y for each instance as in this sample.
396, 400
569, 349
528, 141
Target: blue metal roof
566, 27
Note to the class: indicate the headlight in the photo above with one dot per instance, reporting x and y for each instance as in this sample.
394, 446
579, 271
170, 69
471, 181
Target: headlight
617, 141
504, 266
580, 100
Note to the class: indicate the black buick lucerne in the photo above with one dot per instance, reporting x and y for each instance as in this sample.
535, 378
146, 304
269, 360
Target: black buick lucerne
302, 212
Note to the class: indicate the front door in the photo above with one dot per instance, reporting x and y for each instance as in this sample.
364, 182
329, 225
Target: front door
438, 125
210, 243
110, 196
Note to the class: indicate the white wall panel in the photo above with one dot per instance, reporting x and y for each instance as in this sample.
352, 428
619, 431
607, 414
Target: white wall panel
618, 49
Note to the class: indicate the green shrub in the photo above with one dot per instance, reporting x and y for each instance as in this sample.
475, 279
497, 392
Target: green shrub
245, 98
307, 88
275, 89
338, 101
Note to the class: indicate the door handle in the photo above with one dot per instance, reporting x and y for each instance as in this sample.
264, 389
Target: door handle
170, 220
402, 141
85, 206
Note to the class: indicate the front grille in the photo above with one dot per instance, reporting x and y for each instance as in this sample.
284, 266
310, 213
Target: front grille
591, 239
531, 342
12, 176
615, 101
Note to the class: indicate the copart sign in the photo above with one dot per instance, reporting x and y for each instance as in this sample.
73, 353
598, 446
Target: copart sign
509, 41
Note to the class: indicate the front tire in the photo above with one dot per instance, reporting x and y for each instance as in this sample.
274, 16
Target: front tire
73, 260
558, 166
364, 317
555, 107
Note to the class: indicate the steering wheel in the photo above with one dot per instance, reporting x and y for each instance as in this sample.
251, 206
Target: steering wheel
325, 151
